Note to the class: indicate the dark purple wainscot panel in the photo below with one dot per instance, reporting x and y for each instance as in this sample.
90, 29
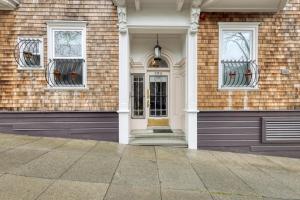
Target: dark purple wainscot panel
79, 125
247, 130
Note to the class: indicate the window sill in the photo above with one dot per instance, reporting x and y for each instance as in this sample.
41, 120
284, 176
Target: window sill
31, 68
238, 89
63, 89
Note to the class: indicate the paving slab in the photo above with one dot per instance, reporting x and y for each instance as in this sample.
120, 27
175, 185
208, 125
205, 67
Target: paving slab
77, 146
21, 188
51, 165
291, 164
46, 144
217, 177
127, 192
74, 190
179, 176
174, 155
290, 178
108, 149
264, 184
16, 157
93, 168
235, 197
185, 195
139, 152
15, 141
137, 172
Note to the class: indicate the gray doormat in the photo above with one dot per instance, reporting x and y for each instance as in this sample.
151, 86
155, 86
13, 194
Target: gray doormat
162, 131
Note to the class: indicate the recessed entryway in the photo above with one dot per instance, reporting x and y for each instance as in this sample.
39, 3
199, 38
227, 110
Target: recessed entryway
157, 95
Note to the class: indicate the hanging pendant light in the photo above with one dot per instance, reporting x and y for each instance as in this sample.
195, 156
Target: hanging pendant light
157, 50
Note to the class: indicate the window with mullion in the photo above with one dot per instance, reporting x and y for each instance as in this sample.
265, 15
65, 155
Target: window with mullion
67, 61
238, 50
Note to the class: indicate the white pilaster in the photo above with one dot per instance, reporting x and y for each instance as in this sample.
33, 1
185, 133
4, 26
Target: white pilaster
123, 78
191, 80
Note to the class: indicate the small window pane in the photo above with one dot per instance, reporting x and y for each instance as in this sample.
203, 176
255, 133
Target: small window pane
68, 44
67, 72
237, 45
137, 97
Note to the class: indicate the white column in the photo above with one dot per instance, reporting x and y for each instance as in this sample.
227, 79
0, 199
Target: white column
123, 78
191, 80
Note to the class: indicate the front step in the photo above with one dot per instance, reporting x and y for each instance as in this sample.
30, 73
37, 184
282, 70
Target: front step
149, 138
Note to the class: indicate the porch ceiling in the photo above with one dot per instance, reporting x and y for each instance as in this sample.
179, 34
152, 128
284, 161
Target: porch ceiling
9, 4
209, 5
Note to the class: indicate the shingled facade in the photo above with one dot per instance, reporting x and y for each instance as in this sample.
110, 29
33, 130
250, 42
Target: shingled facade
123, 91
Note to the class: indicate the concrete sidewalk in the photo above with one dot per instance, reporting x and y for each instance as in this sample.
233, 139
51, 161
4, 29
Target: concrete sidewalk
34, 168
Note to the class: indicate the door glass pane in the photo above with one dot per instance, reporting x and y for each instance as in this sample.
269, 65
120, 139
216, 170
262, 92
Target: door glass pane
138, 95
158, 96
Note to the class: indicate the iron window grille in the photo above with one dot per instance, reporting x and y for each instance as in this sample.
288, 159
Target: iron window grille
28, 53
65, 73
240, 74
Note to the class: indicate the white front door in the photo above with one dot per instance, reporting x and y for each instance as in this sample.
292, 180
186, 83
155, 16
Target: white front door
157, 98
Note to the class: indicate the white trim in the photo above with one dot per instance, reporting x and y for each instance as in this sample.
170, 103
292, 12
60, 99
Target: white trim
64, 24
53, 26
124, 87
191, 91
41, 49
80, 88
237, 26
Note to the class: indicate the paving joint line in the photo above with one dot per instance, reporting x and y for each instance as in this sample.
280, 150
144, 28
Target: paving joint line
240, 178
267, 173
158, 174
77, 160
12, 148
111, 180
203, 182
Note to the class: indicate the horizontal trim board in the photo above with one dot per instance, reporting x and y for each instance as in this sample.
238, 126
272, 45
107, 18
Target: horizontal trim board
79, 125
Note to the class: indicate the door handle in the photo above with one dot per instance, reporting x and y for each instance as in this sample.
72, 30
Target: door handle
148, 98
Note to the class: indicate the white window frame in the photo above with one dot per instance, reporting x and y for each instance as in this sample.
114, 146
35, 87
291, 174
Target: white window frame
238, 26
41, 49
53, 26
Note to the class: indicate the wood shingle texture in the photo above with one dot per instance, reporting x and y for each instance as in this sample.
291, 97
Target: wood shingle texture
279, 48
27, 90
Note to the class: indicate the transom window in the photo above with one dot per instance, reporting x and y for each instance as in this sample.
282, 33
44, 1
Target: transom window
238, 55
67, 54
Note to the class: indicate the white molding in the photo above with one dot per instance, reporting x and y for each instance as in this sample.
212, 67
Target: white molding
124, 88
179, 4
237, 26
60, 23
9, 4
192, 84
122, 18
53, 26
195, 13
137, 4
282, 4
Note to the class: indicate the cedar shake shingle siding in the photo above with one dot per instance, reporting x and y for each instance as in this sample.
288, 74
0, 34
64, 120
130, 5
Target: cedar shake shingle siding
279, 48
27, 90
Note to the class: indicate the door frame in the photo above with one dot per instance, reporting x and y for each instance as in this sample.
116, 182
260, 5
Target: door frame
157, 72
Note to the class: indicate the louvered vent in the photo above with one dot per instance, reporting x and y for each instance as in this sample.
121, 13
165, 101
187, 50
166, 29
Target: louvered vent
281, 130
